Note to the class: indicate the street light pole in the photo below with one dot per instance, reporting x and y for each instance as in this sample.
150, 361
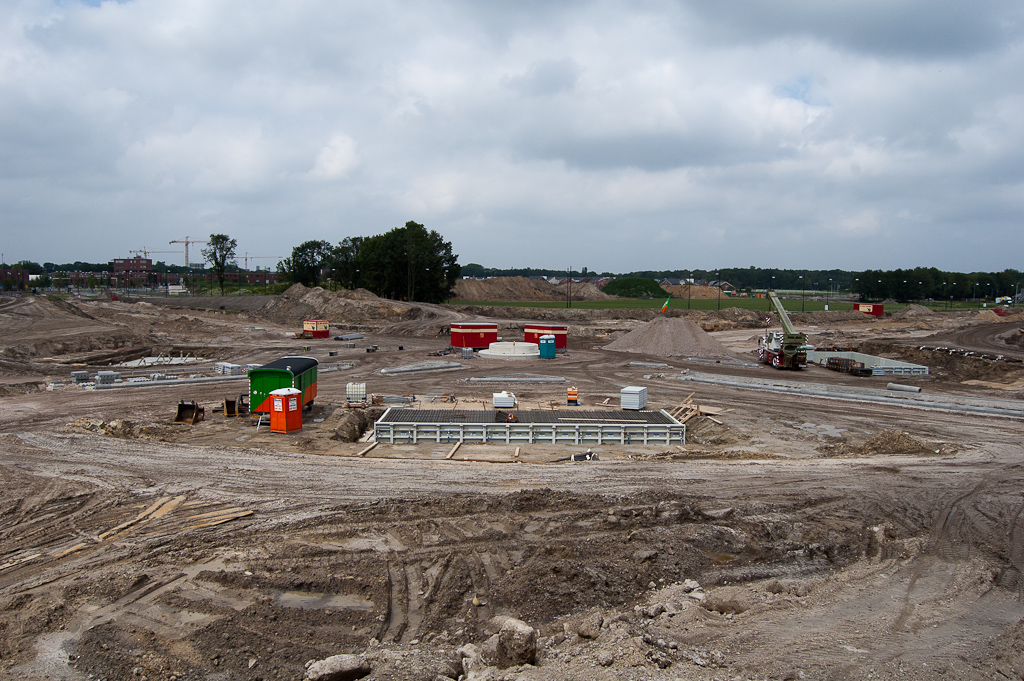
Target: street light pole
719, 276
803, 292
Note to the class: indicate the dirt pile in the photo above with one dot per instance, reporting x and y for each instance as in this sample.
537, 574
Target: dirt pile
520, 289
670, 337
338, 307
892, 442
1015, 338
912, 310
693, 291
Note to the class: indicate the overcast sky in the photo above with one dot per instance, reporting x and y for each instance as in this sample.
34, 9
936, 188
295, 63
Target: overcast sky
613, 135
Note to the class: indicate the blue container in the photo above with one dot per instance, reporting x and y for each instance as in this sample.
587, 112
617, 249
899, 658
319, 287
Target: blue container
547, 347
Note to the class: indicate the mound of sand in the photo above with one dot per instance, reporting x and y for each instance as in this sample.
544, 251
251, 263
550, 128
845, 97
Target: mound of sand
521, 288
670, 337
912, 310
299, 303
693, 291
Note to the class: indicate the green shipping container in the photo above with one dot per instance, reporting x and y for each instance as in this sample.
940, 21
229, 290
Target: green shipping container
287, 372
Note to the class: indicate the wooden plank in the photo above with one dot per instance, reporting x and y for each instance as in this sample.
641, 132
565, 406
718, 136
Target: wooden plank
76, 547
453, 450
364, 451
711, 418
516, 454
169, 507
233, 509
153, 507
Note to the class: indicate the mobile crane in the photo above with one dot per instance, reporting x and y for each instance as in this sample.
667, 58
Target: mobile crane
786, 349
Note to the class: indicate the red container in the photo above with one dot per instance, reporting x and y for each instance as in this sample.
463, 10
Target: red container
285, 410
476, 335
533, 332
870, 308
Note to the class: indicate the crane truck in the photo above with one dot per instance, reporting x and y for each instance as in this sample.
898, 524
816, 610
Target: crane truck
786, 349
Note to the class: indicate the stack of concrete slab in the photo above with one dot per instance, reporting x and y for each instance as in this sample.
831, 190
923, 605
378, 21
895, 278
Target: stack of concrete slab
107, 377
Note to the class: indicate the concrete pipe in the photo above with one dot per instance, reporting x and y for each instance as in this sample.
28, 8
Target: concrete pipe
903, 388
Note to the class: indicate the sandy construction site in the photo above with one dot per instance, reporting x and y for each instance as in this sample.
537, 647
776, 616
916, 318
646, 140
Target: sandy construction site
815, 525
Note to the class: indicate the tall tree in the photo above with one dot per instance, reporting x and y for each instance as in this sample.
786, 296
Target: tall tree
307, 262
408, 263
218, 252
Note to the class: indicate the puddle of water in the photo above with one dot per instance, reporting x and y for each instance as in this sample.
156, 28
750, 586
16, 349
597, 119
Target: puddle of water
312, 600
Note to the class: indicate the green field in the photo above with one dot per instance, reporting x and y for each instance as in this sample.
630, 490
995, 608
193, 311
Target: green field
791, 304
676, 304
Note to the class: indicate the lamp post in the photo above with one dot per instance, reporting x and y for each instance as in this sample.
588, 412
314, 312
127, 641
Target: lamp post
718, 275
769, 301
689, 283
803, 293
828, 292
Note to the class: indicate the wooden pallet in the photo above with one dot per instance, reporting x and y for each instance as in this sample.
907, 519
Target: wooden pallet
685, 410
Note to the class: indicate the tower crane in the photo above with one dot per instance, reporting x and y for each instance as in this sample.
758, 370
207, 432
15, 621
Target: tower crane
187, 241
246, 258
145, 252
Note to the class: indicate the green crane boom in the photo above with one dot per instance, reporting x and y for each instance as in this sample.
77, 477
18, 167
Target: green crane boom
783, 316
786, 350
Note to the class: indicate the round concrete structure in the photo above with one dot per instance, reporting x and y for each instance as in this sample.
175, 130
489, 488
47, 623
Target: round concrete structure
511, 350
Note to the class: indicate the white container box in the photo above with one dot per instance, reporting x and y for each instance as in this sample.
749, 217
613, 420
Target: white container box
504, 400
355, 392
633, 397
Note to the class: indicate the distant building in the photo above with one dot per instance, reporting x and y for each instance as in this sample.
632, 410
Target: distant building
14, 279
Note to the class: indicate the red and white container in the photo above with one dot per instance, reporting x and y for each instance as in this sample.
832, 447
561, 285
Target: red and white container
873, 309
476, 335
533, 332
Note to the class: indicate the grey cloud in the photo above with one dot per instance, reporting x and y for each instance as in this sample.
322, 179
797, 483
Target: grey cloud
546, 77
894, 28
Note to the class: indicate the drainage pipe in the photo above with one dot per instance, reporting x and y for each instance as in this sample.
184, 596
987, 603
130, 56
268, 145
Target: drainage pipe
920, 404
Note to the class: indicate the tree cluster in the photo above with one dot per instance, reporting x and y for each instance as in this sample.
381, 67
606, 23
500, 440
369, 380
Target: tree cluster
634, 287
407, 263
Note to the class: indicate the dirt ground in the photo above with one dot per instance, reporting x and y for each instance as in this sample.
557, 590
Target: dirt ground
794, 536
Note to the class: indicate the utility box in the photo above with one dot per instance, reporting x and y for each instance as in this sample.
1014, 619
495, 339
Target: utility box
285, 410
633, 397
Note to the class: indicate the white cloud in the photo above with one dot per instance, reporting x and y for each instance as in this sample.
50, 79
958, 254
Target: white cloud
336, 159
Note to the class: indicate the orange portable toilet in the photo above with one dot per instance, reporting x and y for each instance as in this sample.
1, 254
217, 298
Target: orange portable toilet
285, 410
